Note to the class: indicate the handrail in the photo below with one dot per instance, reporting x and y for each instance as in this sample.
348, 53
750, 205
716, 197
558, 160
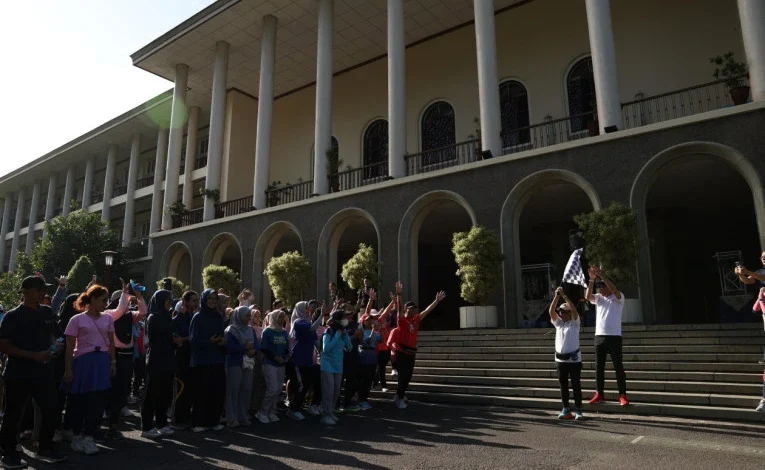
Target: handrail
357, 177
289, 193
683, 90
233, 207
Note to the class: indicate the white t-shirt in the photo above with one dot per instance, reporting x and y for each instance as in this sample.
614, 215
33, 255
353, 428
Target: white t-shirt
608, 315
567, 338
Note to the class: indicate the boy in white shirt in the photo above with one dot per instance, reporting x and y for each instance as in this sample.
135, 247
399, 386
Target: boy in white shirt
568, 357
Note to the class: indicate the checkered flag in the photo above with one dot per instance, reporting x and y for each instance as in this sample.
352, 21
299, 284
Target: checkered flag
574, 273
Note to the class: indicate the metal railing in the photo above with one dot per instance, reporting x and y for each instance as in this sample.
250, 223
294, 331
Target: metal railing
96, 197
192, 217
291, 193
443, 157
357, 177
119, 189
146, 180
233, 207
200, 163
680, 103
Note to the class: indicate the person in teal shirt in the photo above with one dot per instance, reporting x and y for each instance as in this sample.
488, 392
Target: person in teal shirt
334, 343
274, 344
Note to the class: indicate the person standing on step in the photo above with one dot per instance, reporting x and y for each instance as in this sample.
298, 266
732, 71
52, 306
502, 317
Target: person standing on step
609, 303
568, 357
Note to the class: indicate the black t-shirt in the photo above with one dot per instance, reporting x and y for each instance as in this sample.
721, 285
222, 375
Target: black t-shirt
30, 330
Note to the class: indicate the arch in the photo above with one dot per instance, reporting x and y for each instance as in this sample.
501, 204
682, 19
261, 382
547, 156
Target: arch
374, 148
580, 92
173, 263
642, 186
221, 245
438, 133
514, 112
329, 241
265, 249
510, 235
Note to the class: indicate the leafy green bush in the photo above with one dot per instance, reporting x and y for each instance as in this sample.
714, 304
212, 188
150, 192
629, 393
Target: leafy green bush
10, 283
217, 277
80, 275
478, 254
289, 276
178, 286
362, 265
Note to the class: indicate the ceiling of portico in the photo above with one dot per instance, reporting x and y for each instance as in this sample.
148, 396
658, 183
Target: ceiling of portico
360, 34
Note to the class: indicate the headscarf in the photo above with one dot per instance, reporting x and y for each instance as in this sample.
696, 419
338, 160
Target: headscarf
298, 313
242, 331
203, 308
222, 300
271, 320
157, 302
66, 311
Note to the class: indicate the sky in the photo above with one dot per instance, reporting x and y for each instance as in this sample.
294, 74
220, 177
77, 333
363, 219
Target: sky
67, 67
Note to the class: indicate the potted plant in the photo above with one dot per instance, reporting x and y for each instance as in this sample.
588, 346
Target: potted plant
734, 73
177, 210
213, 194
363, 264
289, 276
477, 136
333, 168
611, 242
478, 254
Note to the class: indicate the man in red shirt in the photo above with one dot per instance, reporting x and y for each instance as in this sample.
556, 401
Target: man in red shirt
403, 342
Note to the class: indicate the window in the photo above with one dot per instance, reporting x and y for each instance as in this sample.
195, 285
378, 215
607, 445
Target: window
376, 149
514, 113
204, 144
437, 131
149, 166
335, 147
580, 91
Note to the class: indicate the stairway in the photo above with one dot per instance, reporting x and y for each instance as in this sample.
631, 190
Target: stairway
698, 371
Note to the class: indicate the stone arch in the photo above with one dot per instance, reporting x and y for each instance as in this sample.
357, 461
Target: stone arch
510, 217
178, 262
276, 239
643, 183
224, 249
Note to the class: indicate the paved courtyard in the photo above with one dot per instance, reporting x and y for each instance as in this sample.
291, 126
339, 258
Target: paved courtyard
443, 437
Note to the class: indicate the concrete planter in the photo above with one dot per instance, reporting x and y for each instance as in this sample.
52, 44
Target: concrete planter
478, 317
633, 312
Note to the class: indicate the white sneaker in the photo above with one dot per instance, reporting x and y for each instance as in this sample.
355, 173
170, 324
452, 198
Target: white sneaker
384, 390
393, 372
313, 410
126, 413
90, 447
273, 417
328, 421
263, 418
296, 415
152, 434
78, 444
401, 404
761, 406
217, 427
198, 429
167, 431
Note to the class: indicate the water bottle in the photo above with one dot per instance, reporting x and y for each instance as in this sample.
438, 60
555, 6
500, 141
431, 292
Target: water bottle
136, 287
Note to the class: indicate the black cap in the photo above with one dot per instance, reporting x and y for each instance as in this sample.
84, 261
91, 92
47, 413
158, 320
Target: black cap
313, 304
410, 304
34, 282
337, 316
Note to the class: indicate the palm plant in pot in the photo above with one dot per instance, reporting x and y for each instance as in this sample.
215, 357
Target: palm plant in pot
478, 255
734, 73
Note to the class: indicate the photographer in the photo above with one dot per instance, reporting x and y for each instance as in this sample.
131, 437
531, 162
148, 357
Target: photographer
748, 277
568, 357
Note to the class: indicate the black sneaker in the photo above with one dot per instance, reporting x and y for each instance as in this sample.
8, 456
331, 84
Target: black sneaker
114, 435
52, 455
12, 461
100, 437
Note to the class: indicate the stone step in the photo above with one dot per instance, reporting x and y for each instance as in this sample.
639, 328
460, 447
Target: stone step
446, 358
756, 324
744, 368
754, 350
627, 341
550, 332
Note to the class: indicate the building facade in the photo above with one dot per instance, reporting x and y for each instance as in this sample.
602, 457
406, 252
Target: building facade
515, 115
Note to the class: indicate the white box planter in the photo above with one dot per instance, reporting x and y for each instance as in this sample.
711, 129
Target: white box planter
633, 312
478, 317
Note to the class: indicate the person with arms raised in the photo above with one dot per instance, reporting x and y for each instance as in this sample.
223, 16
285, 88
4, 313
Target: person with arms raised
568, 357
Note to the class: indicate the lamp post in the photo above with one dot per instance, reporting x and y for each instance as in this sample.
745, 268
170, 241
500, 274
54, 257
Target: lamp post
108, 262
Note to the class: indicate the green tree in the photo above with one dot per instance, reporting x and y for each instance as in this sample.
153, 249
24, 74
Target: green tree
289, 276
10, 283
80, 275
178, 286
478, 255
217, 277
363, 264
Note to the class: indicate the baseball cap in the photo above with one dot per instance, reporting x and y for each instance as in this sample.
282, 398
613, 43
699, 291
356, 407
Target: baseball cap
313, 304
34, 282
410, 304
374, 312
564, 306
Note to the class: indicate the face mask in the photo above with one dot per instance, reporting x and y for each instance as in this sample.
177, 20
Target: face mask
344, 322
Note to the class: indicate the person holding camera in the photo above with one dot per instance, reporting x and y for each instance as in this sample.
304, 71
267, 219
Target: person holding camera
568, 357
752, 277
207, 363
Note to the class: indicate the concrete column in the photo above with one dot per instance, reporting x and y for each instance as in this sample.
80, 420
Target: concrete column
323, 129
177, 125
488, 82
4, 226
396, 90
265, 111
33, 216
191, 157
50, 202
87, 188
752, 14
111, 166
604, 63
135, 152
17, 228
159, 177
68, 189
217, 123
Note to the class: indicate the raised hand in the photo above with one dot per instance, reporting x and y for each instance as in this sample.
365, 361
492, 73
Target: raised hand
399, 287
125, 286
594, 272
62, 280
372, 294
558, 292
440, 296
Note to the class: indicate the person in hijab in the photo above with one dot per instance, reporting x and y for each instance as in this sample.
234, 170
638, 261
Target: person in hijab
258, 380
222, 306
241, 347
275, 347
184, 310
207, 363
334, 342
160, 366
303, 331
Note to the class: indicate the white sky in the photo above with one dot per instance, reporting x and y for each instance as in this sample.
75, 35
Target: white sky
67, 69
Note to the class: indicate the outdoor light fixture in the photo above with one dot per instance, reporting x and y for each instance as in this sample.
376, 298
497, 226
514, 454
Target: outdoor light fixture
109, 257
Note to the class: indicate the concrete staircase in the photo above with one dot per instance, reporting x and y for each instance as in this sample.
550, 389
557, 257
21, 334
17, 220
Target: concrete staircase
699, 371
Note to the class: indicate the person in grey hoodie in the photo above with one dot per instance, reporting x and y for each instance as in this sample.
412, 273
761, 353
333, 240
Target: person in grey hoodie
207, 357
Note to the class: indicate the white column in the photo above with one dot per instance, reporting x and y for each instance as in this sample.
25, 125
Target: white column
604, 63
87, 188
177, 125
50, 202
17, 228
396, 90
217, 123
135, 152
488, 83
159, 177
191, 157
265, 112
4, 226
33, 216
68, 188
323, 129
752, 14
111, 166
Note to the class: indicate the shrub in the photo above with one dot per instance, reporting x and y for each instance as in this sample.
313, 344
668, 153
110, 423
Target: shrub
362, 265
217, 277
289, 276
80, 275
478, 254
178, 286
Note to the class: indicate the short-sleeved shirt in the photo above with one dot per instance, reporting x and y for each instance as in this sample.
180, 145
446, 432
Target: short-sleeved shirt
407, 331
608, 315
29, 330
567, 338
92, 334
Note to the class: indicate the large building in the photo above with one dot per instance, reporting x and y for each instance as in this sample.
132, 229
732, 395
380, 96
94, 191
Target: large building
577, 102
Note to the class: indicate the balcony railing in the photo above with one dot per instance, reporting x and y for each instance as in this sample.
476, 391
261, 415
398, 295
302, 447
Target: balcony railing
146, 180
680, 103
192, 217
291, 193
96, 197
357, 177
200, 163
443, 157
119, 189
234, 207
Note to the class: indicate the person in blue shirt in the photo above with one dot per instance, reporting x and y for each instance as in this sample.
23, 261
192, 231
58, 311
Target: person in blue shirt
241, 347
370, 336
334, 342
303, 332
274, 344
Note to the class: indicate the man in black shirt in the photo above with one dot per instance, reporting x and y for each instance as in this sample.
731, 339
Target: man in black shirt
27, 337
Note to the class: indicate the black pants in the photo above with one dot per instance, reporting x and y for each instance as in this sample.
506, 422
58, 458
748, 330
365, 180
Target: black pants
573, 371
185, 400
404, 364
308, 381
383, 358
117, 396
17, 394
159, 395
612, 345
366, 377
316, 399
139, 374
87, 410
290, 377
209, 395
351, 379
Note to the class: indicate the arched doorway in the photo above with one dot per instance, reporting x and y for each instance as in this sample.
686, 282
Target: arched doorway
694, 201
177, 262
277, 239
425, 257
536, 219
224, 250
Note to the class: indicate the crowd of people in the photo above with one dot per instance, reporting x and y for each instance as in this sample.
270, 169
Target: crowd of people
194, 363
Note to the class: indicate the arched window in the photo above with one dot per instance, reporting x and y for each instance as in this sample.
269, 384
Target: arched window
580, 90
335, 148
437, 131
514, 113
376, 149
